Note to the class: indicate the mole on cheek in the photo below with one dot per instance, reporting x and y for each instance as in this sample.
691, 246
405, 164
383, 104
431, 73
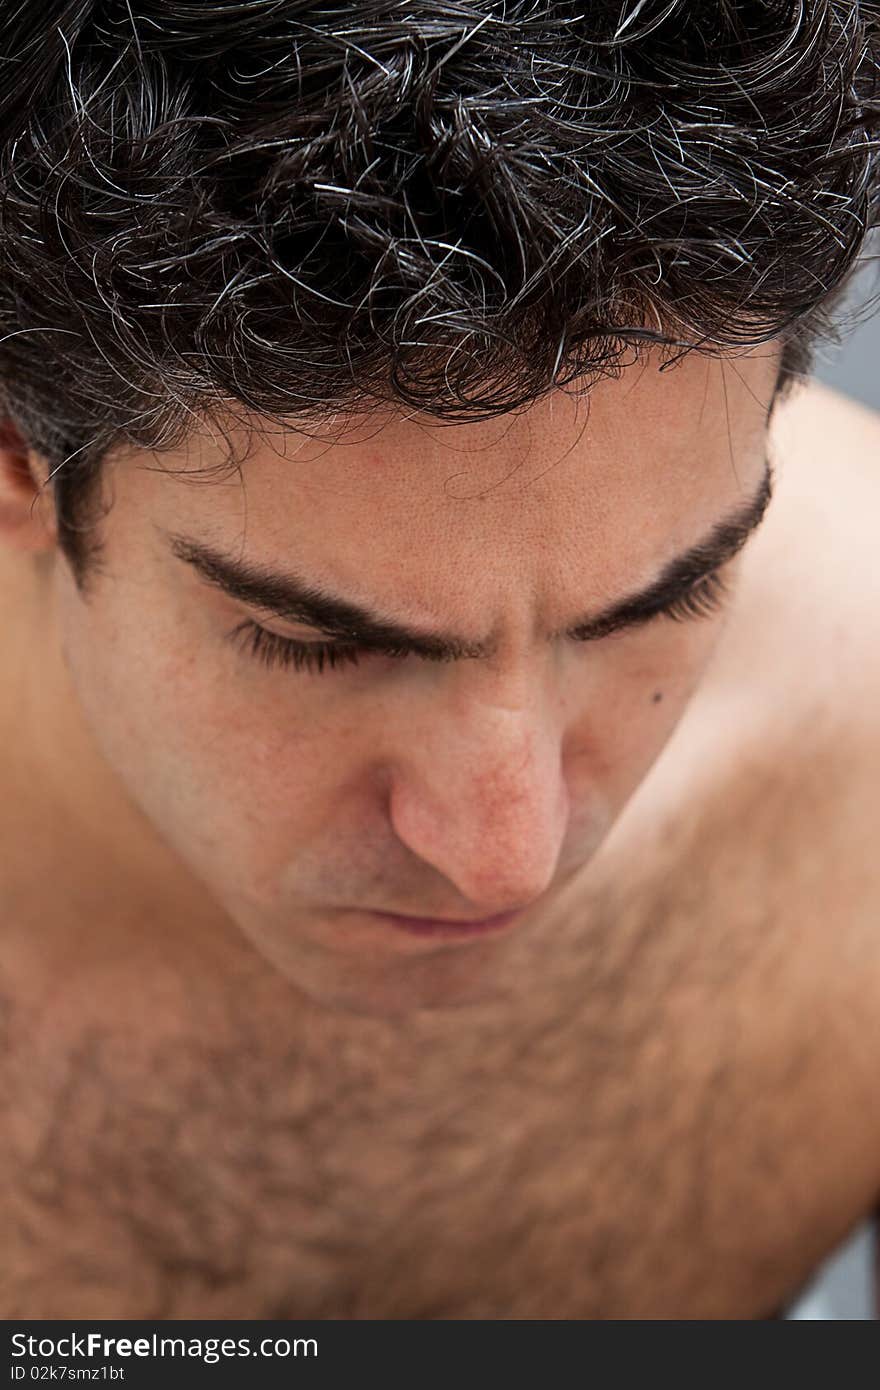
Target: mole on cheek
658, 696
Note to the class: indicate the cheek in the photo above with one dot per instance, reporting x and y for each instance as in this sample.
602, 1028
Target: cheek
626, 709
233, 778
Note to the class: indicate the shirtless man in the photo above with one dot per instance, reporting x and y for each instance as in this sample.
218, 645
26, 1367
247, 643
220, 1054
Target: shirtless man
440, 873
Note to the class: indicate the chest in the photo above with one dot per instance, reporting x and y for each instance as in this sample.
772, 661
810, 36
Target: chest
636, 1136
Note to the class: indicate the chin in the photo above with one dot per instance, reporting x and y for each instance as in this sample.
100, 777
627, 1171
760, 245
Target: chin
386, 986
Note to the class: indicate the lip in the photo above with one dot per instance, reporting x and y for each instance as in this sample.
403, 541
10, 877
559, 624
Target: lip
439, 927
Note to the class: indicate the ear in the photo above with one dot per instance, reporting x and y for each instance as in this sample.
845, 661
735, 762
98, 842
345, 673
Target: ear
27, 512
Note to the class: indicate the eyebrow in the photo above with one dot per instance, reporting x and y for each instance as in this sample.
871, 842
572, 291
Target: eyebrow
294, 599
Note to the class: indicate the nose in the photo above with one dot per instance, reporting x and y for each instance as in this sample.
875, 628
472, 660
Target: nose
482, 798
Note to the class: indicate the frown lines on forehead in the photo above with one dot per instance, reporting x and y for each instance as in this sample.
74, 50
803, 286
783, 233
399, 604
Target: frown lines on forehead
294, 598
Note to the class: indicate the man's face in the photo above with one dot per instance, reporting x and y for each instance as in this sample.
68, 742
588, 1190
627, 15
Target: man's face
309, 801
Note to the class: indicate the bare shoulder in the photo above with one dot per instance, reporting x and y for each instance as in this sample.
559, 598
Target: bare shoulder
827, 454
786, 746
784, 756
818, 426
807, 623
799, 669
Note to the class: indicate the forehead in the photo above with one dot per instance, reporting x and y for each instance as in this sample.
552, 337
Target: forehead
639, 467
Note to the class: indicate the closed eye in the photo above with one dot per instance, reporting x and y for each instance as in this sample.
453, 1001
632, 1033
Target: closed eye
704, 598
274, 650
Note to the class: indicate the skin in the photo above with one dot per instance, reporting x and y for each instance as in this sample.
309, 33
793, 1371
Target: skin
611, 1111
294, 800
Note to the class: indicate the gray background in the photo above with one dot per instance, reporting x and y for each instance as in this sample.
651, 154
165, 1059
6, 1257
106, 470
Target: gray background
855, 366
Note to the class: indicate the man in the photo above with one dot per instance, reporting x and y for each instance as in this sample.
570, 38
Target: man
439, 874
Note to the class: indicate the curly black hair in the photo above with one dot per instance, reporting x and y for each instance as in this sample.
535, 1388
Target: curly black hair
305, 208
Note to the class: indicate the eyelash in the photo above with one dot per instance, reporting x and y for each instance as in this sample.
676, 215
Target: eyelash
702, 600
